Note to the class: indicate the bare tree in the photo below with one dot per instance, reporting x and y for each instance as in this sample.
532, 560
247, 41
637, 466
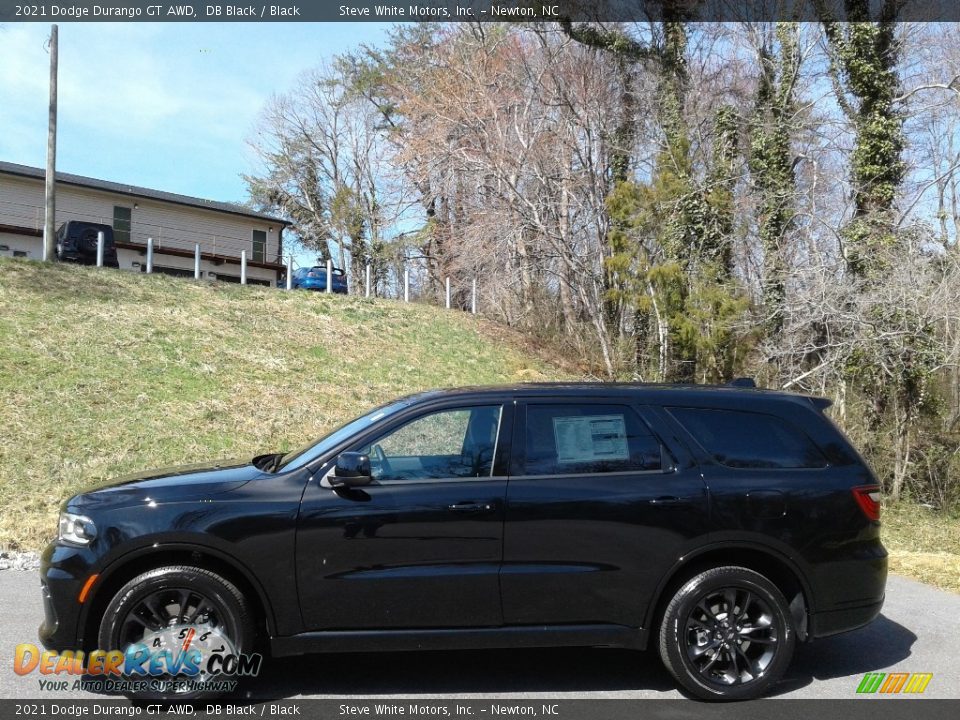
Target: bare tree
325, 166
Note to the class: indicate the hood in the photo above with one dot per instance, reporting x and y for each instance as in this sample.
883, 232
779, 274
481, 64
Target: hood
172, 484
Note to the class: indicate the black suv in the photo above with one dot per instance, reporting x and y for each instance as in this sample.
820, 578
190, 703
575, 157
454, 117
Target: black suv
77, 242
720, 525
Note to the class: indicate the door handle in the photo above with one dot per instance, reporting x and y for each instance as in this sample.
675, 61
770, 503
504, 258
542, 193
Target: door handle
669, 501
471, 507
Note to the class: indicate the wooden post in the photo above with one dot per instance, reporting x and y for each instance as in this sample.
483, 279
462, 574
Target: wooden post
329, 275
406, 285
473, 299
196, 262
101, 241
448, 293
243, 267
368, 279
149, 255
289, 272
50, 191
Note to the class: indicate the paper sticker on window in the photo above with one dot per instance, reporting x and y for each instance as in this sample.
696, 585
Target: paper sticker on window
589, 439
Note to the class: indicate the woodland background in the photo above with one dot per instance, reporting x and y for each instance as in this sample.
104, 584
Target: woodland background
670, 201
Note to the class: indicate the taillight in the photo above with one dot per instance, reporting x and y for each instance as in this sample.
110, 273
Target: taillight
868, 498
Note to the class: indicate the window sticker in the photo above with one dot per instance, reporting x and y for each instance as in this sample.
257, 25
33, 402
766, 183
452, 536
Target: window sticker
589, 439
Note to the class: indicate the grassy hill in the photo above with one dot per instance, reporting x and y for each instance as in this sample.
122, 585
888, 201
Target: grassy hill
104, 373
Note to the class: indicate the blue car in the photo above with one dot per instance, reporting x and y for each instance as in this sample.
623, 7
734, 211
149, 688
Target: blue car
315, 278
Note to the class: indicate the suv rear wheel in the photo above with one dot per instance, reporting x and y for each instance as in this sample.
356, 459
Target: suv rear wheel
175, 609
727, 634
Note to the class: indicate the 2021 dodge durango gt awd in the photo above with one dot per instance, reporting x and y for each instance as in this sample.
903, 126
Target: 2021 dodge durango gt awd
719, 525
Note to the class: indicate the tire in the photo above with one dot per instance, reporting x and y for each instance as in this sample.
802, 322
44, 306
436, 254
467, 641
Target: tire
87, 242
707, 645
154, 595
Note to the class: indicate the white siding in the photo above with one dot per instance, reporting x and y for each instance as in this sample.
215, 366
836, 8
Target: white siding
11, 245
135, 260
169, 224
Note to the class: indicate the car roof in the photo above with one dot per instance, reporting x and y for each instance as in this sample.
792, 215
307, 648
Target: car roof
654, 392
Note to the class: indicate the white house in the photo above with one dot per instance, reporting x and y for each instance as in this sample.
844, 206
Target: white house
175, 222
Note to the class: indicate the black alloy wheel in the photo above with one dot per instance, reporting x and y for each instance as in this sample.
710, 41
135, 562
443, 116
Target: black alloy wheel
731, 636
175, 608
727, 634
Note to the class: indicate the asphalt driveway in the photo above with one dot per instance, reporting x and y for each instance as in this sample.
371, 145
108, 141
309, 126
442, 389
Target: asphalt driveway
919, 631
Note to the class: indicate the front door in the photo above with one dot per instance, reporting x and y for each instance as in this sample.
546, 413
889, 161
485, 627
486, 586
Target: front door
597, 510
421, 545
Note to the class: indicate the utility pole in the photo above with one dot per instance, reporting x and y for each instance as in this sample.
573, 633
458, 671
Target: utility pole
50, 199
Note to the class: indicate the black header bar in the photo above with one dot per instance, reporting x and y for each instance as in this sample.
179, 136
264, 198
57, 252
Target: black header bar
474, 11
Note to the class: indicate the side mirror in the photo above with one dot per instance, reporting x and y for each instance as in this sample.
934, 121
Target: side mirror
352, 469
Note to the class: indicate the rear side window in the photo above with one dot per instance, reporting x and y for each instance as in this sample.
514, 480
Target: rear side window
587, 438
749, 440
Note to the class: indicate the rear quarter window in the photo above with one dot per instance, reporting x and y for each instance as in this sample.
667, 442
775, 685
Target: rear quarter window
741, 439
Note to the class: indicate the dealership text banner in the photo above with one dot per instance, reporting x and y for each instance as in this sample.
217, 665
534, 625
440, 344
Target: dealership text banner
476, 11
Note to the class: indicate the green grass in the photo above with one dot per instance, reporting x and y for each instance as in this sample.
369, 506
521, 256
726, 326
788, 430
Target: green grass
103, 373
923, 544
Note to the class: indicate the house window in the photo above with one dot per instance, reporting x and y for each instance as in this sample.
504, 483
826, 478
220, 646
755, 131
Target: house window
121, 223
259, 245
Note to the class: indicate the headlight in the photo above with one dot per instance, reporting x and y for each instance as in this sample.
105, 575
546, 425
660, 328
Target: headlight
76, 529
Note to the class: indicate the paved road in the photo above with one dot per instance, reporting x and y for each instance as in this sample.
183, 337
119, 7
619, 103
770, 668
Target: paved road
919, 631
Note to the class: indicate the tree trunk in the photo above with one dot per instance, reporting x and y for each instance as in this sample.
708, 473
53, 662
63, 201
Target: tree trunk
901, 465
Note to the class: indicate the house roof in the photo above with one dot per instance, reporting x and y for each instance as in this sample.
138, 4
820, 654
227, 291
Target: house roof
138, 192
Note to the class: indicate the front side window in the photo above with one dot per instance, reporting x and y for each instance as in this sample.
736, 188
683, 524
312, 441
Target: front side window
122, 223
749, 440
452, 443
587, 438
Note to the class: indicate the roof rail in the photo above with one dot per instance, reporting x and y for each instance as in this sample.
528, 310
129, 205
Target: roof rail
743, 382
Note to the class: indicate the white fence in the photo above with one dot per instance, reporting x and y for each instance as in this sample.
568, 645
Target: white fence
367, 290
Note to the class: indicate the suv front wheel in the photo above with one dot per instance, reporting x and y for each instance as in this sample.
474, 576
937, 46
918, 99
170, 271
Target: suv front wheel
727, 634
172, 610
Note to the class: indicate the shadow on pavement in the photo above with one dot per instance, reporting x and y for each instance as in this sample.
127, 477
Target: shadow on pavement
477, 671
879, 645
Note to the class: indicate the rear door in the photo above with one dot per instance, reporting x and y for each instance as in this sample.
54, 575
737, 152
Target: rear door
599, 507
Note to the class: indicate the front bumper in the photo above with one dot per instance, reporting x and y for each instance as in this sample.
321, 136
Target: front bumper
63, 571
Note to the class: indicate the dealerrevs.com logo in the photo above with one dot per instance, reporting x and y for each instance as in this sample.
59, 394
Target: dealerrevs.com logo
177, 659
894, 683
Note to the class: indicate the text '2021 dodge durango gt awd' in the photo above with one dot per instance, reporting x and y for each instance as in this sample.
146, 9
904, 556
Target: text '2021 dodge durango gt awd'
720, 525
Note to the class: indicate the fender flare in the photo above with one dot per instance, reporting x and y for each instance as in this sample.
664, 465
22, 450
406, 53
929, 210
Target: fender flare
119, 563
691, 557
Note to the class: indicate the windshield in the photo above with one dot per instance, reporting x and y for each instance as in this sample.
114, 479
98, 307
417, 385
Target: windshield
301, 456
